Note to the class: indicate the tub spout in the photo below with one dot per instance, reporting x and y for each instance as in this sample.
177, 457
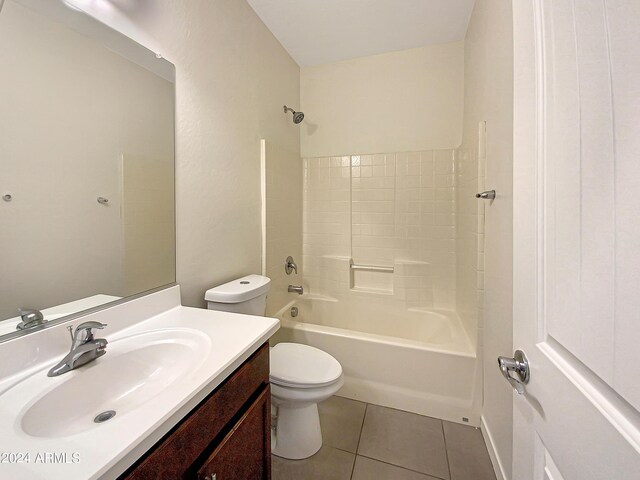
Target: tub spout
295, 289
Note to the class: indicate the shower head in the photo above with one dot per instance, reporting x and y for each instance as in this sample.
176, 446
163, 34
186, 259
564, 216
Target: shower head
297, 116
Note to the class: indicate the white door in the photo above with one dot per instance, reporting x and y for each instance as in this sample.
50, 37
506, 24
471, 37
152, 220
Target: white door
577, 238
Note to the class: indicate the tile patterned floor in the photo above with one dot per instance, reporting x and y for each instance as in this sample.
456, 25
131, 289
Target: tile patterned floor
366, 442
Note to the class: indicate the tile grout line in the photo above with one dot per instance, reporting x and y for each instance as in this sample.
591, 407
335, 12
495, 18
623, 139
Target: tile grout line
446, 450
392, 464
428, 475
338, 448
411, 413
366, 407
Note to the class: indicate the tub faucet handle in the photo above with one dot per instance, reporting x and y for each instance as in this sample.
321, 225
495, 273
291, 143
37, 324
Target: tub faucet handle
290, 266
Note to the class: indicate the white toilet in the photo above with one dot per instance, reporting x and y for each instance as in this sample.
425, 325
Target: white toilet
301, 375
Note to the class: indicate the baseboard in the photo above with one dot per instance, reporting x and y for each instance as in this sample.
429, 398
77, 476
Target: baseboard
493, 454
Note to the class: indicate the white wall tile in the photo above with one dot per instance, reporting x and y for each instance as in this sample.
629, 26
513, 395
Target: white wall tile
391, 211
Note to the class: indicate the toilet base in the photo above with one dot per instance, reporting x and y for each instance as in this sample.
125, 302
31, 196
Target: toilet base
297, 433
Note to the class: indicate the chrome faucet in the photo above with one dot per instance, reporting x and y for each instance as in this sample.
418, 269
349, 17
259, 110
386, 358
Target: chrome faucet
290, 266
30, 318
84, 349
295, 289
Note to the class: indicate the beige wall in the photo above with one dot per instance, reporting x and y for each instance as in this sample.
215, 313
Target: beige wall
283, 226
148, 223
488, 98
395, 102
232, 79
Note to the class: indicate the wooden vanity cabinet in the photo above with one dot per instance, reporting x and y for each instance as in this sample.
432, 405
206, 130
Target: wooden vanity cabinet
241, 454
226, 437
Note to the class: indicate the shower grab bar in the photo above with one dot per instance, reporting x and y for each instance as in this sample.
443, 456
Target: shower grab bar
372, 268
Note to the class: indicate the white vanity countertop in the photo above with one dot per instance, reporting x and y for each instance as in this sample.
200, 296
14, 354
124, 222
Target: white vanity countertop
106, 450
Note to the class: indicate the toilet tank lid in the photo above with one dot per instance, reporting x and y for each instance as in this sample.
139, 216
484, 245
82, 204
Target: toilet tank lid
239, 290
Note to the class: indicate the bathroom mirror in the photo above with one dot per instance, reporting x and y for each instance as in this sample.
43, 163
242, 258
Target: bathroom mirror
87, 209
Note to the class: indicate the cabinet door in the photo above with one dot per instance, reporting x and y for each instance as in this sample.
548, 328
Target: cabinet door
245, 453
174, 456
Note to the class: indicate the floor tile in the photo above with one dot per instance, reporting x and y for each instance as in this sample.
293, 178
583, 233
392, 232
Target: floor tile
368, 469
404, 439
328, 464
468, 456
341, 422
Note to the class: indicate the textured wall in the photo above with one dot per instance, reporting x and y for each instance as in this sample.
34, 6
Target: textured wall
409, 100
232, 79
283, 229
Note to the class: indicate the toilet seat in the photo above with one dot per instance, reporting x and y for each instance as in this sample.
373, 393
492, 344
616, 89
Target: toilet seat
296, 365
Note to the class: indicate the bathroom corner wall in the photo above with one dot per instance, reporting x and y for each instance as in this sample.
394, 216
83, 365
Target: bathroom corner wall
283, 222
489, 101
232, 78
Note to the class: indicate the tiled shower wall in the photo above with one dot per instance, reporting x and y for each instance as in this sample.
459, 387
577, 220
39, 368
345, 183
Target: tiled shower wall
470, 179
388, 210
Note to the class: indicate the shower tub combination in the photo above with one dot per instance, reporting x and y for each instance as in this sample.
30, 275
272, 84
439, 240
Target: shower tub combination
417, 360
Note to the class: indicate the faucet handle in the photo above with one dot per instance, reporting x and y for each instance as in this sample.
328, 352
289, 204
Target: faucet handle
84, 334
30, 318
290, 266
30, 314
90, 325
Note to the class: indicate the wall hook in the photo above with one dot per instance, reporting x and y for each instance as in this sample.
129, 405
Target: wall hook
103, 201
7, 197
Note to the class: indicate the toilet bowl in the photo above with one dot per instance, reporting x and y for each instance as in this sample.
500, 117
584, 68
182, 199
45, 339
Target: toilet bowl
300, 375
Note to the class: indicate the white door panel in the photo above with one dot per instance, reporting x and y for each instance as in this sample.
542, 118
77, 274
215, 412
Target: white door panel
577, 238
624, 38
578, 183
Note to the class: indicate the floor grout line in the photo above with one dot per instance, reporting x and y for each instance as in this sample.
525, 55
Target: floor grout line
410, 413
353, 455
366, 407
401, 467
446, 450
338, 448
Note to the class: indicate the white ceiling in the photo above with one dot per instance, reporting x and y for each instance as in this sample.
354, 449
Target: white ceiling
323, 31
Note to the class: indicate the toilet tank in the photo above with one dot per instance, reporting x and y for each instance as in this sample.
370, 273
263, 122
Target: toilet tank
246, 295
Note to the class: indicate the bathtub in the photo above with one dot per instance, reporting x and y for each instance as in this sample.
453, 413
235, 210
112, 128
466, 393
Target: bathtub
417, 360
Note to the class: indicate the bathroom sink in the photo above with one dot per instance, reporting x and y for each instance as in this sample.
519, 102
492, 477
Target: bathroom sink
161, 361
134, 370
